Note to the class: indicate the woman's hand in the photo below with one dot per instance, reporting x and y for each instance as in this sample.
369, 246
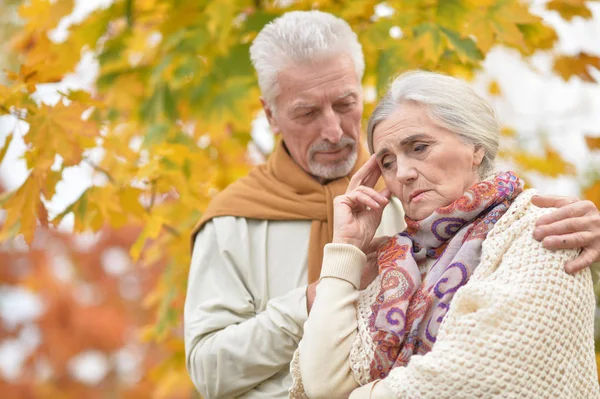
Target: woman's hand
357, 213
371, 269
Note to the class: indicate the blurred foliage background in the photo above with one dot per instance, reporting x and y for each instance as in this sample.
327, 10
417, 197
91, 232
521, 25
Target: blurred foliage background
165, 124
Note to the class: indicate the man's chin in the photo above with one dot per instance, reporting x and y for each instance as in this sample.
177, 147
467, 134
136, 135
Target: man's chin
331, 171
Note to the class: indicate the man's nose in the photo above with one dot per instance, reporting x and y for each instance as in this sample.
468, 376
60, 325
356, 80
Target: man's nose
332, 129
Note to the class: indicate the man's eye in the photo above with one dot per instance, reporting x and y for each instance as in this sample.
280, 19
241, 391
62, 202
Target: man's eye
420, 147
309, 113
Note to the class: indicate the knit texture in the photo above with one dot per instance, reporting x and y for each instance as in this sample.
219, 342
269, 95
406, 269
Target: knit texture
520, 328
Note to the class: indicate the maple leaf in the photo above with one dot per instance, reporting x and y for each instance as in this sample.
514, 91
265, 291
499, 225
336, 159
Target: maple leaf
577, 65
550, 164
22, 208
568, 9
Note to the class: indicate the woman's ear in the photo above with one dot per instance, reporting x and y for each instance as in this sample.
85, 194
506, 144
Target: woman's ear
478, 155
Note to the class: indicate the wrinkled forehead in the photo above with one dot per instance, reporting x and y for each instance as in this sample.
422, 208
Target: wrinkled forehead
323, 79
407, 120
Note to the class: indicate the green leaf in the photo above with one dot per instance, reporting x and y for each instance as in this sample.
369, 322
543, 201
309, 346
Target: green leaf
466, 49
156, 134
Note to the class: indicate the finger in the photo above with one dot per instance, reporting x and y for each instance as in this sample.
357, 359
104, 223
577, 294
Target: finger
386, 193
373, 194
579, 239
566, 226
367, 175
572, 210
552, 201
584, 260
362, 200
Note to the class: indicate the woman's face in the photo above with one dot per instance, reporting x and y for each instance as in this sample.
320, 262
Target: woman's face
426, 166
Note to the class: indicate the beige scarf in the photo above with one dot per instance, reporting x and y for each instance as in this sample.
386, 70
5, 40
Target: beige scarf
281, 190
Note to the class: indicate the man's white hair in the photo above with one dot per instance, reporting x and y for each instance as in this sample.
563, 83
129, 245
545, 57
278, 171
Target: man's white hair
301, 37
451, 103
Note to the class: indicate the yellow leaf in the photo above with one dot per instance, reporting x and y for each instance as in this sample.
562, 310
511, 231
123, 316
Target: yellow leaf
492, 22
129, 199
59, 130
45, 14
151, 230
429, 42
22, 211
568, 9
5, 147
592, 193
577, 65
508, 132
551, 164
494, 88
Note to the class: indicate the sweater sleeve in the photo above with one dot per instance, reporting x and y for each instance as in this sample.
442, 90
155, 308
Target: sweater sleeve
332, 326
521, 327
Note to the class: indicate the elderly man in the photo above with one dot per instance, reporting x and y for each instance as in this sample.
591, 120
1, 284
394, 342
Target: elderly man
261, 240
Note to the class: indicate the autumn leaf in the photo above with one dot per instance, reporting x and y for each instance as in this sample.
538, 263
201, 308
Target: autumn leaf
550, 164
494, 88
578, 65
21, 211
593, 143
592, 193
4, 149
568, 9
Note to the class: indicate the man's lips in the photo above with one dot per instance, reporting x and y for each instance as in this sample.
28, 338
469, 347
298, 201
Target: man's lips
333, 153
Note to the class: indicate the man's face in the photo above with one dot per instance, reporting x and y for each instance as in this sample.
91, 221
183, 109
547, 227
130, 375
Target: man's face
318, 112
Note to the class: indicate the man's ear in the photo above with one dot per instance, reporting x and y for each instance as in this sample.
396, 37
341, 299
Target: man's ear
270, 115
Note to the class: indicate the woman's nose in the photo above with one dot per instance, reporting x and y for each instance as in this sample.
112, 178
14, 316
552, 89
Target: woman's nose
405, 171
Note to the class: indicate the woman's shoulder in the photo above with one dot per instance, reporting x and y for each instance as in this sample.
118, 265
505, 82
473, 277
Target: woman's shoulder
511, 243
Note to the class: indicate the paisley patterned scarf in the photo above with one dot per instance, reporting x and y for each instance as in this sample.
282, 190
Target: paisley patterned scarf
413, 298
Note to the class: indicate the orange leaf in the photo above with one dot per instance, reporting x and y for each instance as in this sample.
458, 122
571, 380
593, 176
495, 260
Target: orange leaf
577, 65
593, 142
570, 8
592, 193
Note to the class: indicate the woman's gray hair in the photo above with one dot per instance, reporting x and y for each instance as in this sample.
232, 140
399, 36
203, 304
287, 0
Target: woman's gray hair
451, 103
301, 37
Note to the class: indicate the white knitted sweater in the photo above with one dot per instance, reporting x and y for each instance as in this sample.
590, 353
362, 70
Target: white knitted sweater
520, 328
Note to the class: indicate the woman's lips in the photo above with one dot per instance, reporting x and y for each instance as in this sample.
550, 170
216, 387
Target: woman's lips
417, 195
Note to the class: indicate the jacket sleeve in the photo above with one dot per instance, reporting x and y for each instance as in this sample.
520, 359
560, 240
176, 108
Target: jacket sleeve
230, 348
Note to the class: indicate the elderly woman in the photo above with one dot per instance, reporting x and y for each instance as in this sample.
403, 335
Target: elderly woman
466, 304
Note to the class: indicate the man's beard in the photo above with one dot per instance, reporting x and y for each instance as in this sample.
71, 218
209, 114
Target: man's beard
335, 170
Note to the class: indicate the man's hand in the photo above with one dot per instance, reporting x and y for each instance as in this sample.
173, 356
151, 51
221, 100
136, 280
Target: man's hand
576, 224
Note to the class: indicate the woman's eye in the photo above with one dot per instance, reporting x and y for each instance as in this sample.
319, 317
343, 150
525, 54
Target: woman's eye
420, 147
387, 163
